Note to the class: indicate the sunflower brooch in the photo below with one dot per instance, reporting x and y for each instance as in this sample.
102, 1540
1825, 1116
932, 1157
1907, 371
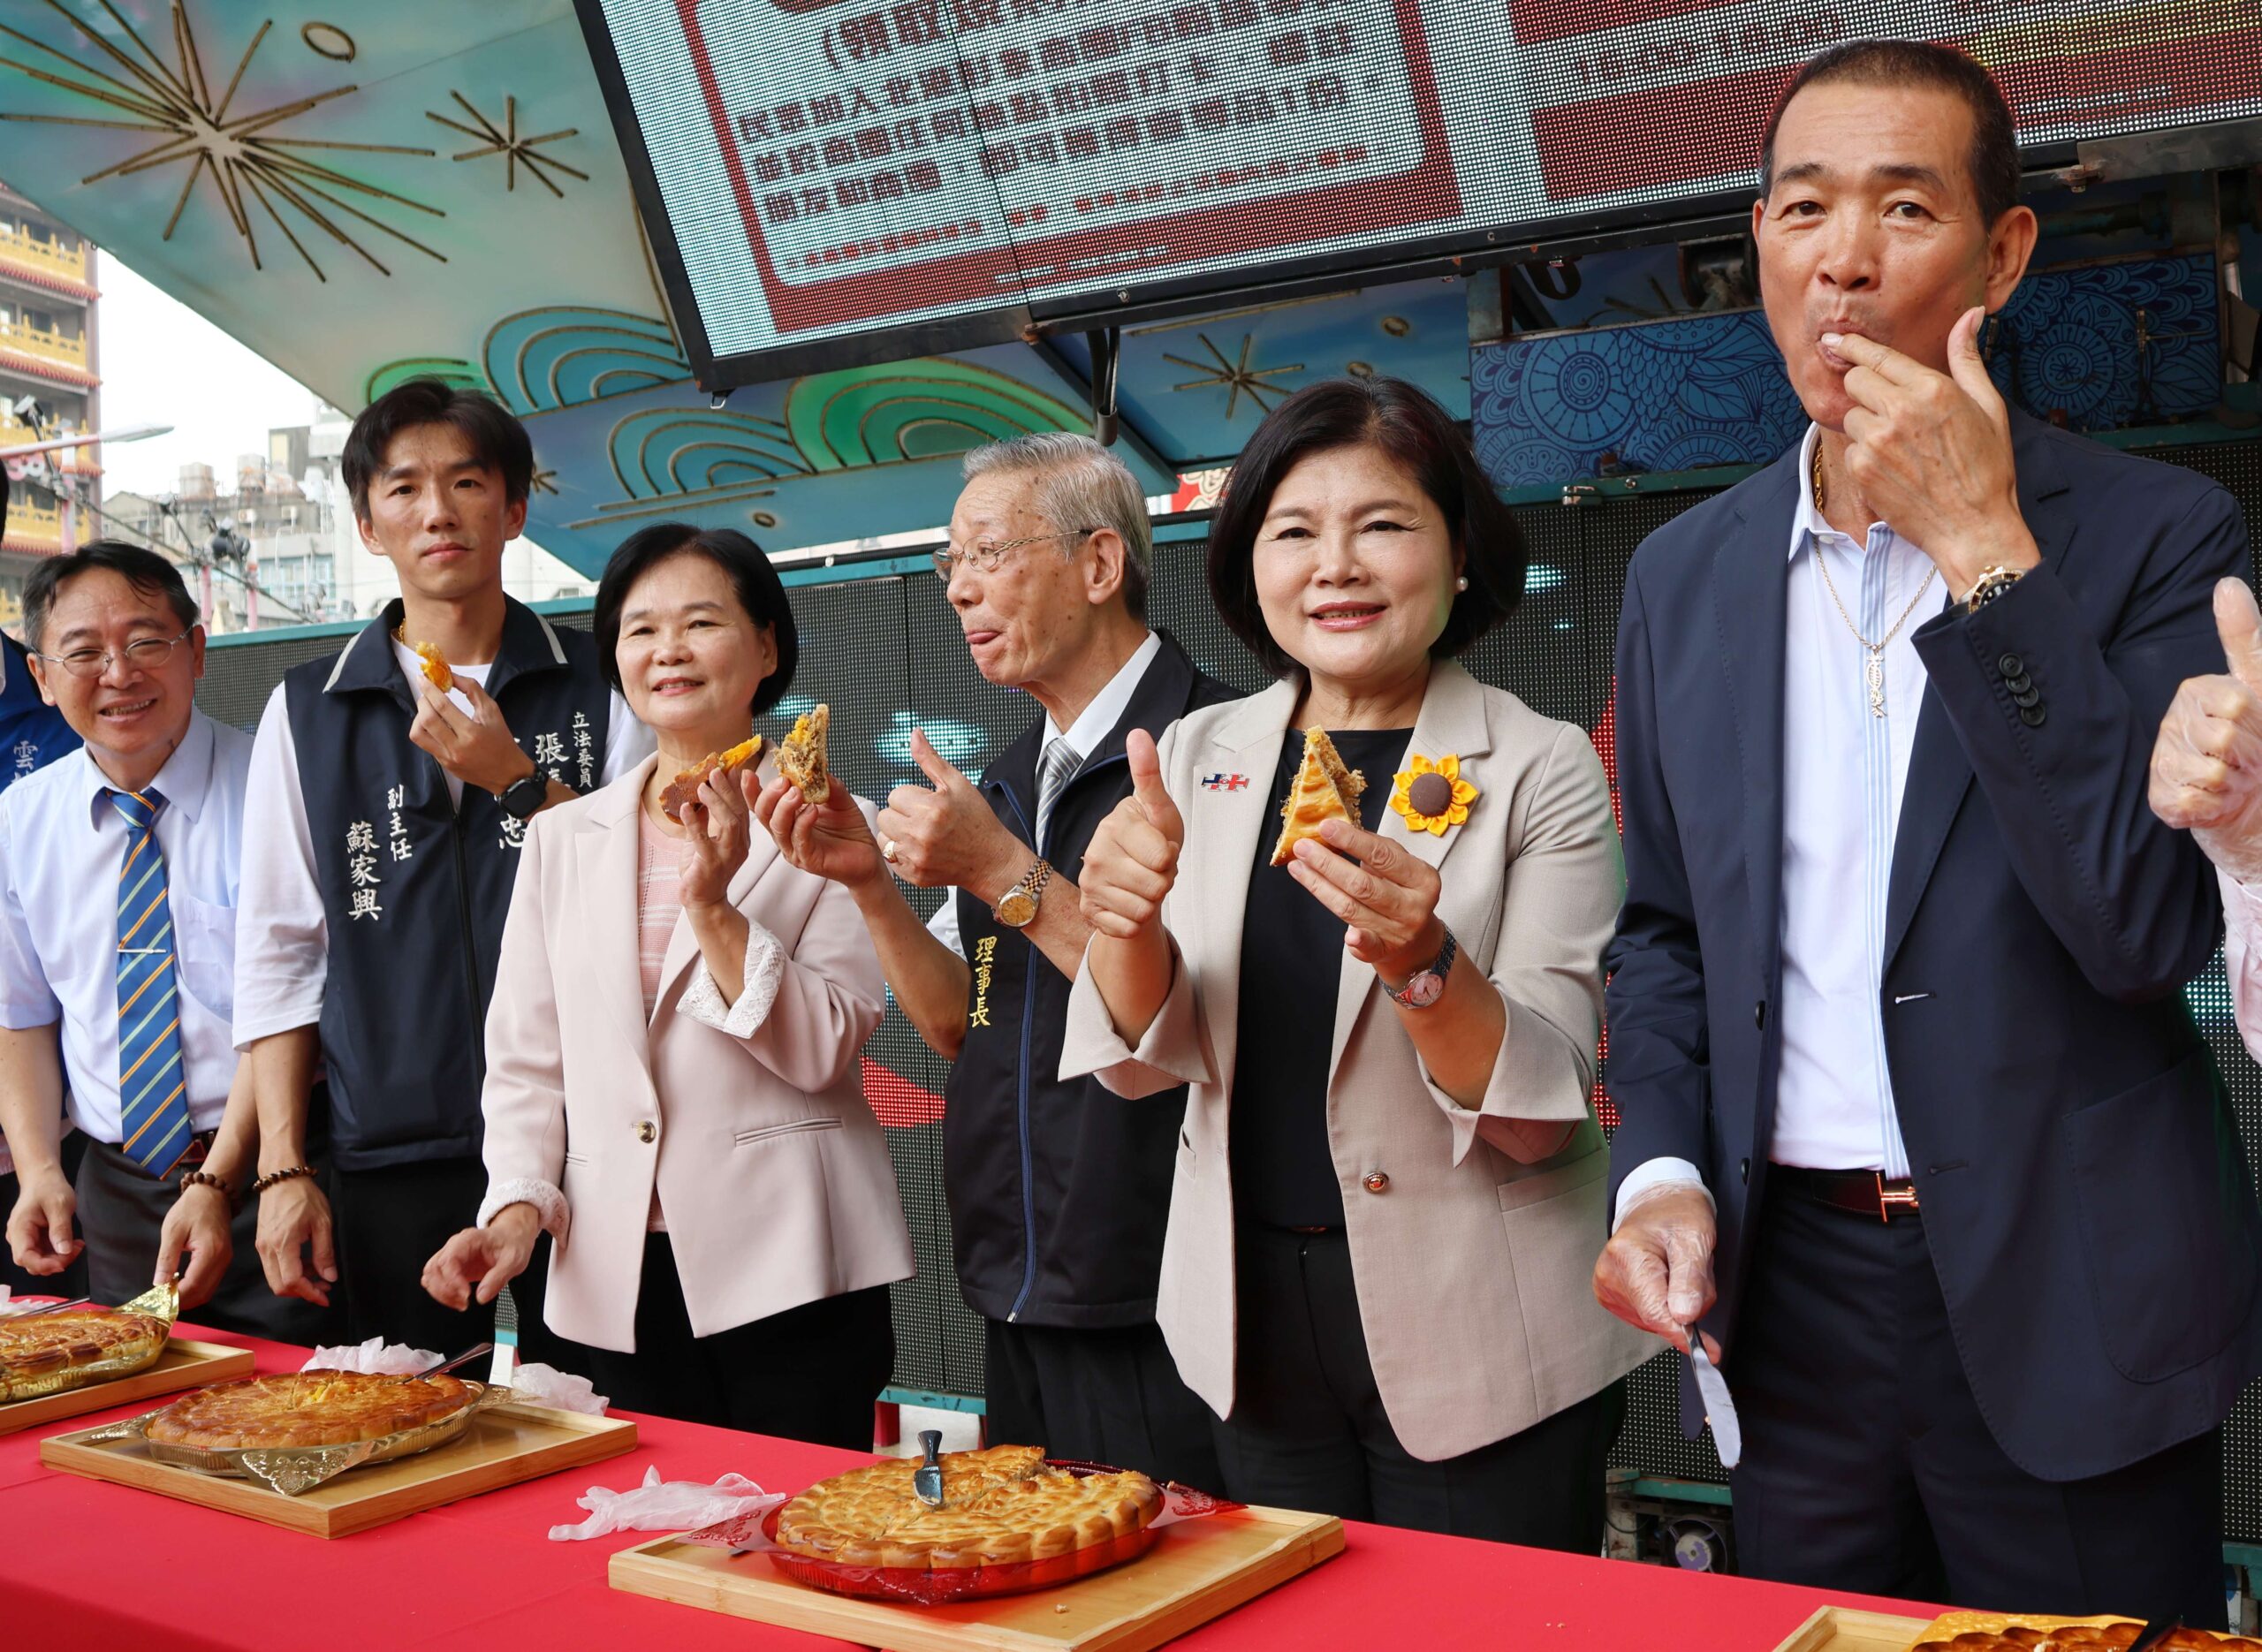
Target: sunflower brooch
1433, 796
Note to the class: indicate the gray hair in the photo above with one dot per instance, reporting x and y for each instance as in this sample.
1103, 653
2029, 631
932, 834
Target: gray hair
1079, 485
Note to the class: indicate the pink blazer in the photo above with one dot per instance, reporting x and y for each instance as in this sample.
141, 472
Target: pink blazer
771, 1169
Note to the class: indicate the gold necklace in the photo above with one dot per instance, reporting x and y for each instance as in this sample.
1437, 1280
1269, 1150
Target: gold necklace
1873, 666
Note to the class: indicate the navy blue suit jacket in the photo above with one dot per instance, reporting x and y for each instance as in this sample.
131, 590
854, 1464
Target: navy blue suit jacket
2086, 1201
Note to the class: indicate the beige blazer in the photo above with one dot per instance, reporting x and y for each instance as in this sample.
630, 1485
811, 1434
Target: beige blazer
1473, 1270
772, 1173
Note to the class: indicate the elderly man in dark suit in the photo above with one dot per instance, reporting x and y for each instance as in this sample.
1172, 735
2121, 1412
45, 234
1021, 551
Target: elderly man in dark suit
1918, 1128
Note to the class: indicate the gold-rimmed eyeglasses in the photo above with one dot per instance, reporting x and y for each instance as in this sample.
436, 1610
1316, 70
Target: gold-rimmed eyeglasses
146, 653
984, 555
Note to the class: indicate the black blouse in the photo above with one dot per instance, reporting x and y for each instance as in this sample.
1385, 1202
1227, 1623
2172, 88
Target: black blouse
1291, 962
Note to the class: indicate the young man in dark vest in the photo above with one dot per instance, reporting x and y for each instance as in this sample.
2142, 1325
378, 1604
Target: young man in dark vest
382, 831
1057, 1190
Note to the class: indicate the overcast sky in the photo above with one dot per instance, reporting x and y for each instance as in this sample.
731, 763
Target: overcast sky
163, 363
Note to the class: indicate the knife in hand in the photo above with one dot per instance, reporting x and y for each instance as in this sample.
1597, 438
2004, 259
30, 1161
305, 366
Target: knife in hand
1719, 1410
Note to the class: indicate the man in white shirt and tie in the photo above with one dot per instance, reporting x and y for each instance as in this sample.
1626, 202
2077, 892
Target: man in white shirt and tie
2207, 778
119, 872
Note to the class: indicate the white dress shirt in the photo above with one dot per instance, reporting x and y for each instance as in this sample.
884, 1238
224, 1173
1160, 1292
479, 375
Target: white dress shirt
1096, 722
62, 843
1844, 771
2242, 959
285, 962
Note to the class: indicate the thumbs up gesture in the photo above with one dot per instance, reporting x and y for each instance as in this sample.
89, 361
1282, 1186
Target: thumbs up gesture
943, 835
2207, 763
1132, 861
1931, 454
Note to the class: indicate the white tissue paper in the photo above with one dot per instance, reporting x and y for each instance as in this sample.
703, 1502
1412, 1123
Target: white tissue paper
376, 1356
673, 1505
547, 1385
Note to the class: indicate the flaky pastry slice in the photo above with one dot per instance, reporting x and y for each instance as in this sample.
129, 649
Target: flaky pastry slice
801, 758
685, 785
436, 666
1326, 789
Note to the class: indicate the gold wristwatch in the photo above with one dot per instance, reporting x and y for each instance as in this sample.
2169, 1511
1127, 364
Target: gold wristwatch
1017, 906
1991, 583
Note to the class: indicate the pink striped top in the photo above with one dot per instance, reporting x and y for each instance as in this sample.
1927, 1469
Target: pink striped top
659, 862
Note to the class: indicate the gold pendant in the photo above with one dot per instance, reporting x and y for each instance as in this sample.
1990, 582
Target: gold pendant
1874, 672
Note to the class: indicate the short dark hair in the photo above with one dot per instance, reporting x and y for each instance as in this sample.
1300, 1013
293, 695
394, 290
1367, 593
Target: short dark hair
497, 438
1903, 64
1405, 422
761, 593
148, 572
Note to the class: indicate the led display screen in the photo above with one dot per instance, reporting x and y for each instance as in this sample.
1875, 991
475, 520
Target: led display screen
837, 169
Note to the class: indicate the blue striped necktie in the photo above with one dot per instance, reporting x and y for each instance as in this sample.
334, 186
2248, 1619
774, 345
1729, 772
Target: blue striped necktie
152, 1082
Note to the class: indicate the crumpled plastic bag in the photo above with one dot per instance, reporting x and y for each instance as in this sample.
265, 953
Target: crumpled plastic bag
547, 1385
376, 1356
672, 1505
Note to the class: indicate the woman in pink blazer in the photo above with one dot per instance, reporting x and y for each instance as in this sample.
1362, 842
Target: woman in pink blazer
674, 1090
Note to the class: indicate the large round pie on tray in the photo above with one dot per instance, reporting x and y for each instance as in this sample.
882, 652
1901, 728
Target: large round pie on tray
39, 1352
1994, 1632
1001, 1506
304, 1408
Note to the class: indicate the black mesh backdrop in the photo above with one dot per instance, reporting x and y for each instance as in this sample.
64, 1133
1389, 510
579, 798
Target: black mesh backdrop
886, 654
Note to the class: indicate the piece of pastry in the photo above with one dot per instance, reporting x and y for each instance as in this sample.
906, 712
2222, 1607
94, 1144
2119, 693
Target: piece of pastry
308, 1408
685, 785
1326, 789
42, 1352
436, 667
801, 758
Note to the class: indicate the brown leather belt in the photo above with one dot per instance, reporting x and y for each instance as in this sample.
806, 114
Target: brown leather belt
1861, 1193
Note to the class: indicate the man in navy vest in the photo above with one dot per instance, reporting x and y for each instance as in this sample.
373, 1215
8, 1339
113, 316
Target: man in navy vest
1057, 1190
382, 834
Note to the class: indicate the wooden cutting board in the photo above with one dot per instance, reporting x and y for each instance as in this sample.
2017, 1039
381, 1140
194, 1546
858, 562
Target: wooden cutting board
504, 1444
183, 1364
1843, 1629
1200, 1570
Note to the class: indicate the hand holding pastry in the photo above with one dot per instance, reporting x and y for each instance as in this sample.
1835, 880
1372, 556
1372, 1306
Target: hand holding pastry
477, 749
1132, 861
830, 840
1386, 896
478, 1262
715, 835
948, 838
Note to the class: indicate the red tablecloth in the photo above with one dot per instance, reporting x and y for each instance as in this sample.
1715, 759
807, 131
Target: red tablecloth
85, 1562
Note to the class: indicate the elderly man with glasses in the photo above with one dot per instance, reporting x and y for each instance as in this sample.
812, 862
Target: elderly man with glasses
1058, 1190
118, 873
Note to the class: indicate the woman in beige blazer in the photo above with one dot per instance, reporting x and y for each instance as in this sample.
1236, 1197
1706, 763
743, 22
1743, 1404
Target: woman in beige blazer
674, 1090
1390, 1184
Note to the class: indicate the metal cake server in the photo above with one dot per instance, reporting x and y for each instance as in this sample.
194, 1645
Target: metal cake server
1719, 1410
927, 1479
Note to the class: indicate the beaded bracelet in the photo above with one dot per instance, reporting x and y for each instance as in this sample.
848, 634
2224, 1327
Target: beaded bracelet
199, 1179
271, 1179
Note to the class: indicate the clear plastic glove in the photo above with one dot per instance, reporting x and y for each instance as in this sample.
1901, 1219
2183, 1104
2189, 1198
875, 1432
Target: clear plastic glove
674, 1505
562, 1390
2206, 772
376, 1356
1655, 1273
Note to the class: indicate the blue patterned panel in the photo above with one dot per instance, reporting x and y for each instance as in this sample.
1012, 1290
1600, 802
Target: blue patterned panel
2112, 345
1660, 396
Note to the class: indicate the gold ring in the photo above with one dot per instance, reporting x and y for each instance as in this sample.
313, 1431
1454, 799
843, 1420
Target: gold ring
887, 851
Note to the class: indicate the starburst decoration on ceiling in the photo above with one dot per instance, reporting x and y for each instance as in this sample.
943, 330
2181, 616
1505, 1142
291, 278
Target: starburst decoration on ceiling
253, 169
505, 141
1236, 377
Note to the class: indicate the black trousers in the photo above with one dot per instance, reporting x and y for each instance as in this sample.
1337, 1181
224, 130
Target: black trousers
1867, 1466
389, 1221
72, 1280
1109, 1396
1308, 1430
811, 1373
122, 1210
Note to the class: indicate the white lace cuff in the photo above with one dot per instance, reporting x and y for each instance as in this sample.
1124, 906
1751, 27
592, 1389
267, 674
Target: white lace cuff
545, 1197
765, 969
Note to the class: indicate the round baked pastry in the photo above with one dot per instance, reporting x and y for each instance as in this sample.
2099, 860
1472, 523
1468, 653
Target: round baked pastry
1002, 1506
308, 1408
2056, 1635
39, 1352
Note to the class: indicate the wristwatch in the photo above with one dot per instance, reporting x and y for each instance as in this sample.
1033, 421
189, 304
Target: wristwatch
523, 797
1016, 909
1991, 583
1425, 986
